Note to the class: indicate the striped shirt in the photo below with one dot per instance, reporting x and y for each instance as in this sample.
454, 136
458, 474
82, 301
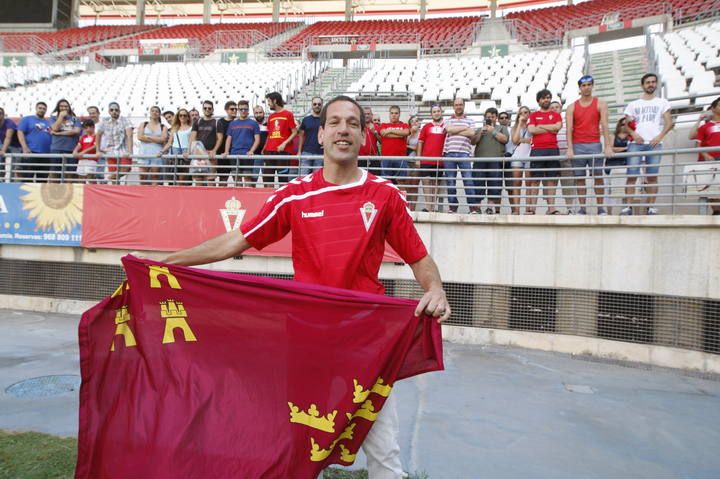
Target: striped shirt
458, 143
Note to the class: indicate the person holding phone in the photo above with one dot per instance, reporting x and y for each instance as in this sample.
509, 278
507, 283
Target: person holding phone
488, 174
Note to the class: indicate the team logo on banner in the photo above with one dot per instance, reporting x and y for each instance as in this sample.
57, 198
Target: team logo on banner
368, 212
232, 212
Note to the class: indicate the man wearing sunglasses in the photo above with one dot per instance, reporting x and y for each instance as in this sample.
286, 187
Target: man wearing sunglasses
205, 130
224, 164
115, 140
308, 134
585, 118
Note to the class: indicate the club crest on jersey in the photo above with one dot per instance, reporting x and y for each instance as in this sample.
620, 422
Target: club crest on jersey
232, 211
368, 212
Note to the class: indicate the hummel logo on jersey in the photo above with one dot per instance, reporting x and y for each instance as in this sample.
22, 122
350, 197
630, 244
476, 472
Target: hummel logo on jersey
313, 214
368, 212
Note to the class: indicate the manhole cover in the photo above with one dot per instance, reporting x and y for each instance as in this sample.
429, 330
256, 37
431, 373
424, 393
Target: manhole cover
44, 386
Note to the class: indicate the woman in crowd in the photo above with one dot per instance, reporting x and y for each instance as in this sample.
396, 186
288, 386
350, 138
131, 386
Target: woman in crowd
620, 145
413, 166
152, 135
65, 131
178, 144
520, 163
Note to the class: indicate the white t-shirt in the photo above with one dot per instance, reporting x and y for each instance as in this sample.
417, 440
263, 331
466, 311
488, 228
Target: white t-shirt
649, 116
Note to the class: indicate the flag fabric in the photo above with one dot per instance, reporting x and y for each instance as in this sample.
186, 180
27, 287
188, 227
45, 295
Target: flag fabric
188, 373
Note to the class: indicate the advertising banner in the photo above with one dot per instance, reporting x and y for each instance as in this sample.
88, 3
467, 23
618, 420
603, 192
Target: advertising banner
160, 218
41, 214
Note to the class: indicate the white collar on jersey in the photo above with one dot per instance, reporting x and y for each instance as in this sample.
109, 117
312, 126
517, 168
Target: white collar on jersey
363, 178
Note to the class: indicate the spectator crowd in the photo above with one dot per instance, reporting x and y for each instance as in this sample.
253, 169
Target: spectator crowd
538, 155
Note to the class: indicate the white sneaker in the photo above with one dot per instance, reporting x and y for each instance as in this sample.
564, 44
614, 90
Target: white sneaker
652, 211
627, 211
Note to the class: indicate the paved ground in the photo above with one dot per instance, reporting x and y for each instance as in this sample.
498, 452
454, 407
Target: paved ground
495, 412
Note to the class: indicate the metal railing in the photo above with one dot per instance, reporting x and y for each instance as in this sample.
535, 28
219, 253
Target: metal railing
460, 185
529, 34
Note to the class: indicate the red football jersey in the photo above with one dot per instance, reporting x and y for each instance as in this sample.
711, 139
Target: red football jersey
339, 231
544, 140
369, 148
393, 146
280, 126
709, 135
87, 141
433, 137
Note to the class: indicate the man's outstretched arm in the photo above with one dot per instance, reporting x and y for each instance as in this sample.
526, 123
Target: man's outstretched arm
225, 246
434, 302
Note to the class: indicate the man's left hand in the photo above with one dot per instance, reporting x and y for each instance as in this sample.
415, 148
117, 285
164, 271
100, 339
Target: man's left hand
434, 303
655, 141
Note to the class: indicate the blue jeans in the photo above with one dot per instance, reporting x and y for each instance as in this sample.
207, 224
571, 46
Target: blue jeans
652, 162
308, 165
488, 177
463, 162
394, 168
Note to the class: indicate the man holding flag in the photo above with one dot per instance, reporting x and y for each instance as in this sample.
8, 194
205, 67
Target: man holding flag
340, 216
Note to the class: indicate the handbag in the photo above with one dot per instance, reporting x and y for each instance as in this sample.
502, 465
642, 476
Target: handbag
199, 166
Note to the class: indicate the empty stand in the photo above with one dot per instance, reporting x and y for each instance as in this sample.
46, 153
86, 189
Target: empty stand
48, 42
686, 61
209, 37
435, 34
168, 85
11, 77
555, 21
508, 81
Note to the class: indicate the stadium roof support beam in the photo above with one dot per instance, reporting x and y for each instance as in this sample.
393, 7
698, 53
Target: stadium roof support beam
348, 10
276, 11
140, 12
423, 9
207, 11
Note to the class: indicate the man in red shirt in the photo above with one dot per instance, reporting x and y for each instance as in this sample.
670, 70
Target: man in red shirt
370, 147
585, 117
709, 135
544, 125
393, 142
431, 142
281, 132
340, 217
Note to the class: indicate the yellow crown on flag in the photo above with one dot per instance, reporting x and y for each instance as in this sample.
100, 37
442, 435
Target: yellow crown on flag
312, 418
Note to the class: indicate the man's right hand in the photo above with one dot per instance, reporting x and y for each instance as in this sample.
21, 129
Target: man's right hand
570, 153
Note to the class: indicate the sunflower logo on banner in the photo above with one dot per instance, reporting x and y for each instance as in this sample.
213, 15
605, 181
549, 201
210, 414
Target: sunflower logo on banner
47, 213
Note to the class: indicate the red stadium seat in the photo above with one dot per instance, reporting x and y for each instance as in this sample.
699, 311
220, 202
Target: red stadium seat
435, 33
555, 21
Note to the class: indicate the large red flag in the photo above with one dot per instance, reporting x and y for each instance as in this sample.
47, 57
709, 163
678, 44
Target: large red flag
190, 374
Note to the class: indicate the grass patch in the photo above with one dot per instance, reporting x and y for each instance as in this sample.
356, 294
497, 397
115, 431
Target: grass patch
332, 473
31, 455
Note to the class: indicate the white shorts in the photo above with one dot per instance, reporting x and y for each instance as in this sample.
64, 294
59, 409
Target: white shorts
520, 164
86, 167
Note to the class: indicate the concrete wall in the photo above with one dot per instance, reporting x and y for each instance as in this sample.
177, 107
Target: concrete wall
667, 255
